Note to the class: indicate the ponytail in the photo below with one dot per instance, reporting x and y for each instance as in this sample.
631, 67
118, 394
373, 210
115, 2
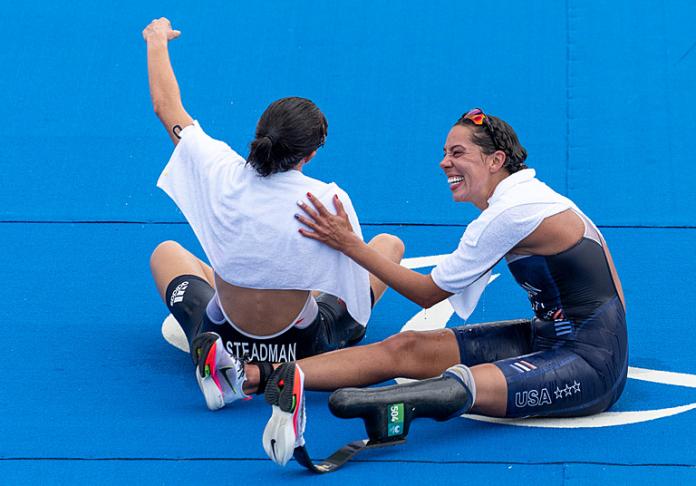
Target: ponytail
260, 155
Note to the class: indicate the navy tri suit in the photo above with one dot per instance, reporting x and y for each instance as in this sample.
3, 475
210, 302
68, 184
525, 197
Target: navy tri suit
571, 358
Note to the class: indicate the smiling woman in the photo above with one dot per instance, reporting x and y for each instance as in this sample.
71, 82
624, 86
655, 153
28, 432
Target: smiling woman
569, 359
467, 146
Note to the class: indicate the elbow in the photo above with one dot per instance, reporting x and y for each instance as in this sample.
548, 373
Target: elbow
428, 293
167, 109
159, 107
426, 302
432, 296
163, 104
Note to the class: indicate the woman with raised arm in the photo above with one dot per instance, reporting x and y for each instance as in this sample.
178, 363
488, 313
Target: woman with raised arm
269, 294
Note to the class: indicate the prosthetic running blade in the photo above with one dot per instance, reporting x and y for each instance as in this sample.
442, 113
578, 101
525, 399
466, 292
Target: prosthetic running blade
341, 456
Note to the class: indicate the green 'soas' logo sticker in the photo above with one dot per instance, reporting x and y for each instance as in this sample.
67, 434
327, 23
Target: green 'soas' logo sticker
395, 419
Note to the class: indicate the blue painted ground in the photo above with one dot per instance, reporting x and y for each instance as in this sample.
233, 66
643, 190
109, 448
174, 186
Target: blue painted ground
89, 376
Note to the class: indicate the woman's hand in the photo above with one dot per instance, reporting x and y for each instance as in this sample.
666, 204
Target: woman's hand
160, 29
333, 230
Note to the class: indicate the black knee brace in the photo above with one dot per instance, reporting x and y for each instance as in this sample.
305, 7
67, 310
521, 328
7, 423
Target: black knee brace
388, 411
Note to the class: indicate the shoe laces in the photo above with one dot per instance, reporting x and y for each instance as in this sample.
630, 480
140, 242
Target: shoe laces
240, 366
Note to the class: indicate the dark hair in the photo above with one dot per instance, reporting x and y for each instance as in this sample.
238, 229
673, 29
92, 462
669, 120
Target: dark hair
494, 134
289, 130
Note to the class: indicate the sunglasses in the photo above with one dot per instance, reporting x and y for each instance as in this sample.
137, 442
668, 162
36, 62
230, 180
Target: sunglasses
479, 118
476, 116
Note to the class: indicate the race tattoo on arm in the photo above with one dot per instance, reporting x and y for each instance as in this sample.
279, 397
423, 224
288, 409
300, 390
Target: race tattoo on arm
176, 130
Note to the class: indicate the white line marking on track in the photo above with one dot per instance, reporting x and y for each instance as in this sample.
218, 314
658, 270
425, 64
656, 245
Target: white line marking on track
663, 377
606, 419
422, 262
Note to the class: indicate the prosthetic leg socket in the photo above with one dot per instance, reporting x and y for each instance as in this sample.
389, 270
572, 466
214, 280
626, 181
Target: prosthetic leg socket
388, 411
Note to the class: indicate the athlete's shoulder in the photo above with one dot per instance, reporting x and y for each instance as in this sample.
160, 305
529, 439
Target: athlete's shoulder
198, 144
326, 190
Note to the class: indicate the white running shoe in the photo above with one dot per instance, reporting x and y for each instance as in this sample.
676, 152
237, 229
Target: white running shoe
285, 429
220, 375
174, 334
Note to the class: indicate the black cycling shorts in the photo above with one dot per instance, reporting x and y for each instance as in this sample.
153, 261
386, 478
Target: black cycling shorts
187, 298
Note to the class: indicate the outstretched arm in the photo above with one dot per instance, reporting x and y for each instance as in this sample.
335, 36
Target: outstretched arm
336, 231
164, 89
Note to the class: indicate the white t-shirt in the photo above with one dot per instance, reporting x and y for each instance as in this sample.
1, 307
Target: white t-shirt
517, 207
246, 227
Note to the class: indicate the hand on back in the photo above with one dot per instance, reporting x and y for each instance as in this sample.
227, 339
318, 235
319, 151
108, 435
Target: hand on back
334, 230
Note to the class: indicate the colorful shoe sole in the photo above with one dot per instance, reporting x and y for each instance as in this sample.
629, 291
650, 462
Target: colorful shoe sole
284, 430
206, 348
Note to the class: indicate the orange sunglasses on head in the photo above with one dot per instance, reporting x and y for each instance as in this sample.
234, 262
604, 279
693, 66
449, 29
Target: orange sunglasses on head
476, 115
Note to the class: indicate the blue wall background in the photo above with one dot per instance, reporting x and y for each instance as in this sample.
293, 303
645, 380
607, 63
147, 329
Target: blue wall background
600, 93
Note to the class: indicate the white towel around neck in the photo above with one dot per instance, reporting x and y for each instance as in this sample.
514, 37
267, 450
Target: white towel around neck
519, 204
246, 227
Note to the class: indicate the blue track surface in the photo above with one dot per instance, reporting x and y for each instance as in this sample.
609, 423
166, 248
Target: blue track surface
103, 385
600, 94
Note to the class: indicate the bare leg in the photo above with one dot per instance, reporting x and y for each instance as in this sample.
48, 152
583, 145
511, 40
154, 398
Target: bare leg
491, 390
409, 354
391, 247
171, 260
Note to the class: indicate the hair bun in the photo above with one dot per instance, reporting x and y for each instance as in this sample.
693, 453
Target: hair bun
289, 130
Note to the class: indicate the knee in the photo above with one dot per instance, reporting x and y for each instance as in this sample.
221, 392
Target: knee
400, 346
162, 251
390, 244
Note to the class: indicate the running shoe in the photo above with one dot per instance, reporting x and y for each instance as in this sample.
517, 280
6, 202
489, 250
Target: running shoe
174, 334
285, 430
219, 374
